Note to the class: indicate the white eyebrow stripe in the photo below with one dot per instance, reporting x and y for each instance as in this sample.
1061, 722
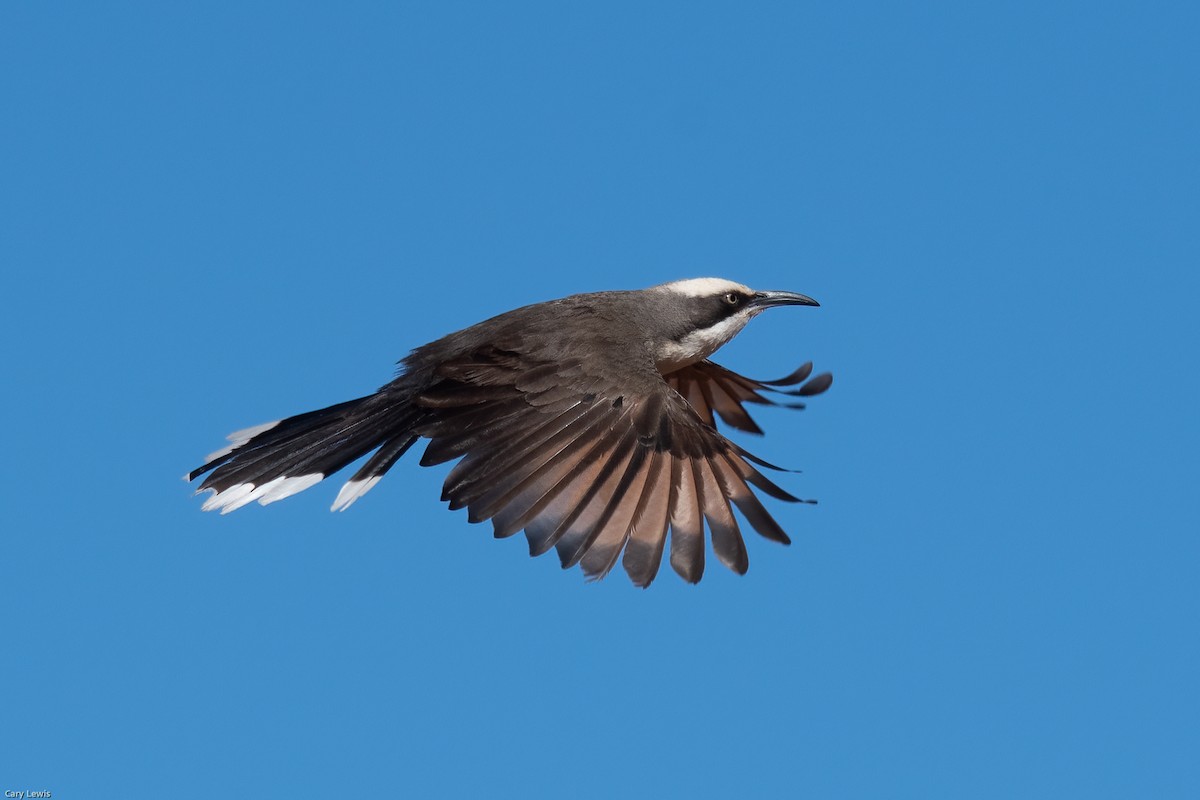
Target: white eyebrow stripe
704, 287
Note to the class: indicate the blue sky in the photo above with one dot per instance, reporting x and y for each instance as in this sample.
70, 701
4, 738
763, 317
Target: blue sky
219, 214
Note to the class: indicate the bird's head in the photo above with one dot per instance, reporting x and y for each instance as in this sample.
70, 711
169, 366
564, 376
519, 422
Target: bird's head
700, 315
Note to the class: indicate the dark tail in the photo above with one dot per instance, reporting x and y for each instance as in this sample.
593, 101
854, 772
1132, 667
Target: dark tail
276, 460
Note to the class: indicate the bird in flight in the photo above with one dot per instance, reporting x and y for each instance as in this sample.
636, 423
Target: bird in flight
588, 422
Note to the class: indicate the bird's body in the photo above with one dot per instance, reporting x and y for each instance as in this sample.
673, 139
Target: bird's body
588, 422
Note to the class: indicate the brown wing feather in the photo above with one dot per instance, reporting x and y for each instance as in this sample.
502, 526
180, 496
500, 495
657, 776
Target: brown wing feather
727, 541
711, 388
609, 539
648, 532
598, 464
687, 523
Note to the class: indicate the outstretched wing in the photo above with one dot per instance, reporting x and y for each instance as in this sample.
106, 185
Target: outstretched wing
709, 388
596, 464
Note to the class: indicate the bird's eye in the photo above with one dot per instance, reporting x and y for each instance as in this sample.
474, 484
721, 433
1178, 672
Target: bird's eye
733, 298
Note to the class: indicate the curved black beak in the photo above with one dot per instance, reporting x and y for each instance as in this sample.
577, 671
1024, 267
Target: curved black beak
768, 299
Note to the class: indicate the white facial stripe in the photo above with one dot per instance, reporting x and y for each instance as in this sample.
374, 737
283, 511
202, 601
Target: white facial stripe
704, 287
701, 344
708, 340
